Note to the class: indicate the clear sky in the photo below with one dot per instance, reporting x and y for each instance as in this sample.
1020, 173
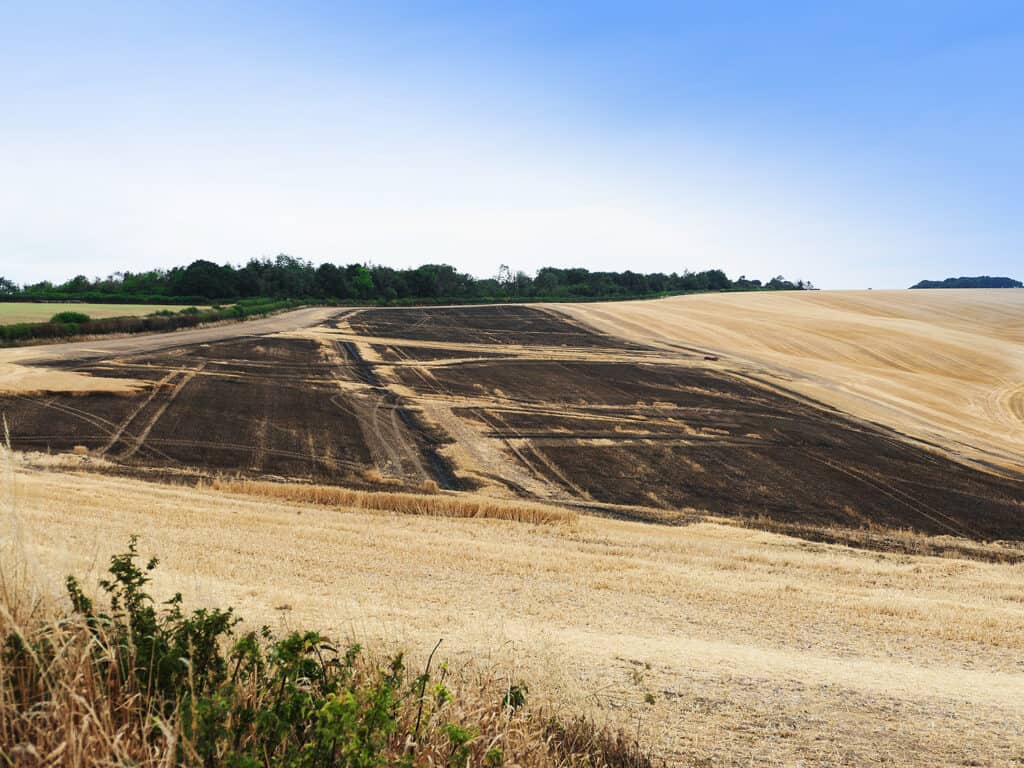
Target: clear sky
872, 144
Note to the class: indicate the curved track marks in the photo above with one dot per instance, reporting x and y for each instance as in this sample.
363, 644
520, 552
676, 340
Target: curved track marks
945, 366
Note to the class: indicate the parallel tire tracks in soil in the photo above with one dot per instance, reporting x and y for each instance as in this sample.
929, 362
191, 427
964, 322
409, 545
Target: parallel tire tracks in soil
161, 408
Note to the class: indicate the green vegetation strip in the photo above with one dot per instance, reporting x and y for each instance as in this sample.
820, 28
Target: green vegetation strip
69, 324
285, 277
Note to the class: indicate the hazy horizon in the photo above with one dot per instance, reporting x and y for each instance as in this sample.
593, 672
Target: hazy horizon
873, 147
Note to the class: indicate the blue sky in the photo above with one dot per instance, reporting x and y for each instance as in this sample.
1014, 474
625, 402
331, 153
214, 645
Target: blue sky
870, 145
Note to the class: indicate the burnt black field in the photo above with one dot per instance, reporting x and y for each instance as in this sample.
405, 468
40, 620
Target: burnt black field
591, 420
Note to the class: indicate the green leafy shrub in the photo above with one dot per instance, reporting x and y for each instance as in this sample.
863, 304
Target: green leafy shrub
153, 685
312, 711
69, 318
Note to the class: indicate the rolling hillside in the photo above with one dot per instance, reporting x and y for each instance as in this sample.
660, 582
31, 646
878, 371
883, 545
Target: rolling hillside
946, 367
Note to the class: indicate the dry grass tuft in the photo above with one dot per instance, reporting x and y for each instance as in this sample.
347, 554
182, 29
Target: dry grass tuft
56, 708
429, 504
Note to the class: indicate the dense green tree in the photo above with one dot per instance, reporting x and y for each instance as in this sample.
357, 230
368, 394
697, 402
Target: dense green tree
203, 278
982, 281
360, 279
331, 282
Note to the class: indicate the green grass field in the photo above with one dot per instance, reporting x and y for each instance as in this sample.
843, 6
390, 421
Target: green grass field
30, 312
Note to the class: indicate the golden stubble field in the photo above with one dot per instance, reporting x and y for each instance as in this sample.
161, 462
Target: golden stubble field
755, 649
717, 644
944, 366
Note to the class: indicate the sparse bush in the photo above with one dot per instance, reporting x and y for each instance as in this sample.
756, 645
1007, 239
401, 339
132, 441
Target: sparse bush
69, 318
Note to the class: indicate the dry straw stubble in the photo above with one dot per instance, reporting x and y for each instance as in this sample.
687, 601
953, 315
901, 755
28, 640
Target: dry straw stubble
435, 505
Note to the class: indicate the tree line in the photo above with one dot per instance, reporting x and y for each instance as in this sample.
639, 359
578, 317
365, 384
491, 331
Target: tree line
983, 281
288, 277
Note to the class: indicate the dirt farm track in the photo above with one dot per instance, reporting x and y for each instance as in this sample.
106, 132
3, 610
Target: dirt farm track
511, 401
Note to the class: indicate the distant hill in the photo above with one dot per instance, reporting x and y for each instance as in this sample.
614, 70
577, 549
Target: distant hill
971, 282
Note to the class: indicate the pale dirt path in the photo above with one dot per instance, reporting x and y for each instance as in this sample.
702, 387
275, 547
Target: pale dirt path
943, 366
757, 648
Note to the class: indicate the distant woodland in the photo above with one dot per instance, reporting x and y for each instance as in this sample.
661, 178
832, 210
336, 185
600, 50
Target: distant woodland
971, 282
286, 277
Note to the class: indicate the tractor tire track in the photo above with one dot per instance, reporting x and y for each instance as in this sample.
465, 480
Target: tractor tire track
141, 437
119, 432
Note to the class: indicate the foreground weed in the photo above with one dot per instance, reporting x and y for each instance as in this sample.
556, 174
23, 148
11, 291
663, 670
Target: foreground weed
151, 684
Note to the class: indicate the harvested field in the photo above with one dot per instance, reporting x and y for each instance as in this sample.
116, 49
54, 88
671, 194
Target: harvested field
945, 367
682, 434
67, 352
476, 474
518, 403
754, 648
448, 505
496, 325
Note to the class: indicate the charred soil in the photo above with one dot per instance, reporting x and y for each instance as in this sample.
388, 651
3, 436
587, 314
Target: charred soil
517, 401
